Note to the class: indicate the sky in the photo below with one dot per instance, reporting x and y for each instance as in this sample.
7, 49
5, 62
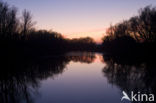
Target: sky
80, 18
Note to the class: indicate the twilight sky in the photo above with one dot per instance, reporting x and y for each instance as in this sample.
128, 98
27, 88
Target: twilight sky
80, 18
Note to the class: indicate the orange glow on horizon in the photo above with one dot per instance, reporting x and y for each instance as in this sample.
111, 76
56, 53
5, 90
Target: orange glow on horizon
96, 34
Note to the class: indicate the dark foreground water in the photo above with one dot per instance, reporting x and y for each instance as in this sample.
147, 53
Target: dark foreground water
74, 78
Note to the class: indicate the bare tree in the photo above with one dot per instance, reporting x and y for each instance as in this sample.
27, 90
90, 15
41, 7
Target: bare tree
26, 23
8, 21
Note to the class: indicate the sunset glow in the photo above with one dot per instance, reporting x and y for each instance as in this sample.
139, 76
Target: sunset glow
95, 34
77, 51
80, 18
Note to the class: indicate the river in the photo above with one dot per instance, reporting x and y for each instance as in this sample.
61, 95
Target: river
75, 77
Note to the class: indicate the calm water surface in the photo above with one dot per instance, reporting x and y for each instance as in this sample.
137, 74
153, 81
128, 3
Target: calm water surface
74, 78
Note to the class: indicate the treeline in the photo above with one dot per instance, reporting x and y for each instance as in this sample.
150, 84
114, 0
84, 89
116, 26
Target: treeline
130, 37
136, 36
18, 35
82, 44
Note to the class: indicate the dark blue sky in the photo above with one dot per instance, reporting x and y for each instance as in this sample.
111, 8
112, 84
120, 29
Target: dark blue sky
80, 17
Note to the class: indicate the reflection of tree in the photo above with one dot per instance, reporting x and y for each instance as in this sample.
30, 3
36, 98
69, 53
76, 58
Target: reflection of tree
131, 77
21, 78
84, 57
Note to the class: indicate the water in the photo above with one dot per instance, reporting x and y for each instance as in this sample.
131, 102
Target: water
74, 78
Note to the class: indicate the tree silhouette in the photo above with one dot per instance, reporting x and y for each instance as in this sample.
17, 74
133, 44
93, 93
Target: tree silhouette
26, 23
134, 36
8, 21
19, 37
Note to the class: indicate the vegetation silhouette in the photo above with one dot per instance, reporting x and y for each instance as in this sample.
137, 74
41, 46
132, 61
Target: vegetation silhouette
134, 37
127, 49
19, 37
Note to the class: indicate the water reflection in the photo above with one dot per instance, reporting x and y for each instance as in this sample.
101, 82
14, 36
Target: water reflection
130, 75
83, 57
20, 79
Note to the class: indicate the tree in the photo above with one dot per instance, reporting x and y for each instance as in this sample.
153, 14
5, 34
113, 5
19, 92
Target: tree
8, 21
141, 27
27, 23
147, 24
